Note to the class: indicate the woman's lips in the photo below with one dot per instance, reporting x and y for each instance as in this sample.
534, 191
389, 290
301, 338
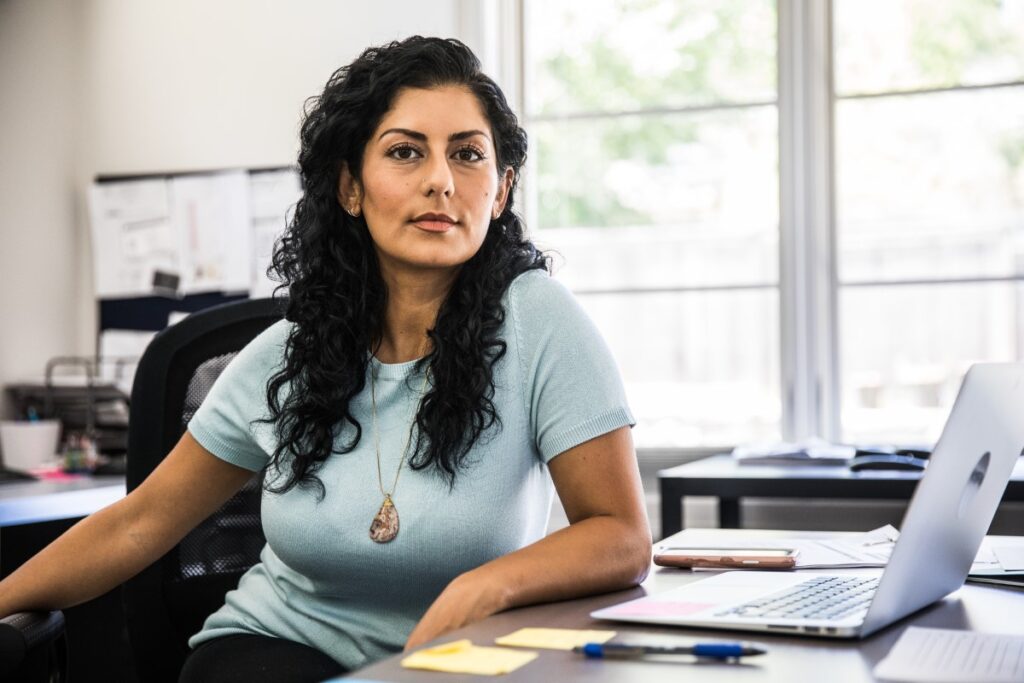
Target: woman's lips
434, 222
434, 225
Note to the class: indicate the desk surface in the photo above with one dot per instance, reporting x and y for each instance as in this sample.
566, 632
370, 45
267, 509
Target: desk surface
49, 500
790, 659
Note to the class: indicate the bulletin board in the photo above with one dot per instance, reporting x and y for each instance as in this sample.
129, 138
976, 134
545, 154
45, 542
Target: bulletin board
168, 244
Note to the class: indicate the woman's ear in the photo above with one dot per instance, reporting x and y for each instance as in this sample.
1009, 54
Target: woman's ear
350, 192
504, 187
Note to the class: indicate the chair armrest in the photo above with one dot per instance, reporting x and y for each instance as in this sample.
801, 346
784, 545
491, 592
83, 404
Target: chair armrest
25, 631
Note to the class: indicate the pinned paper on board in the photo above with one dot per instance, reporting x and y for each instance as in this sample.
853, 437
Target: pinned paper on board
272, 199
211, 214
133, 236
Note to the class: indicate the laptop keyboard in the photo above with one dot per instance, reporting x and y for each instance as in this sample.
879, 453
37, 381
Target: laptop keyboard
823, 597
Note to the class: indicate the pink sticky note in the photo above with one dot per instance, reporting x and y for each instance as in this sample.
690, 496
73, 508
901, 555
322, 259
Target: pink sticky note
658, 608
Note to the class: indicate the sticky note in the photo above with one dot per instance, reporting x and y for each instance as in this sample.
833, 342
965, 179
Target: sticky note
554, 638
463, 657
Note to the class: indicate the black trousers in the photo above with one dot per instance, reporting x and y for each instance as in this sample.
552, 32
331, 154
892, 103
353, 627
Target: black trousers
257, 659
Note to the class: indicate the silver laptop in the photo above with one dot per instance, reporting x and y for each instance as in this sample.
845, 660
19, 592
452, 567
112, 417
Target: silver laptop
945, 523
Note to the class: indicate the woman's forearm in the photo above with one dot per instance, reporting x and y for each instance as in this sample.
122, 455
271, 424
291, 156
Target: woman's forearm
91, 558
595, 555
112, 545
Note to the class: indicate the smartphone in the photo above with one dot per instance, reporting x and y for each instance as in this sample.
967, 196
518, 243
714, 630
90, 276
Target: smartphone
726, 558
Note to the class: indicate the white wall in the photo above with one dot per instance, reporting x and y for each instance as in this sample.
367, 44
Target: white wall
40, 99
93, 87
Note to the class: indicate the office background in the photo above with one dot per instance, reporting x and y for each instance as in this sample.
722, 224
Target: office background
790, 219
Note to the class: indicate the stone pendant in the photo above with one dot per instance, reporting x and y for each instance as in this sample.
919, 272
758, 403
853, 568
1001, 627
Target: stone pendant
385, 524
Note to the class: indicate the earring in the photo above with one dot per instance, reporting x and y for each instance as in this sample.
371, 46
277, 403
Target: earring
354, 212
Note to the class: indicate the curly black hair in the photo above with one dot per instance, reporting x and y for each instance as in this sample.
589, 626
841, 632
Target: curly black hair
327, 263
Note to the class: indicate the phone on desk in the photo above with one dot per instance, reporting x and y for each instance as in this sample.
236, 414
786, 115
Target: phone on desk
725, 558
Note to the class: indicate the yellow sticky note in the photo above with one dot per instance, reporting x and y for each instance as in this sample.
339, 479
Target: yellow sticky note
463, 657
554, 638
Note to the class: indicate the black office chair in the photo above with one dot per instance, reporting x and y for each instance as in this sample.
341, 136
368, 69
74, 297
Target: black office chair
168, 602
33, 647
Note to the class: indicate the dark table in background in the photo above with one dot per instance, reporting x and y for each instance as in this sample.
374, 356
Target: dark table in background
720, 476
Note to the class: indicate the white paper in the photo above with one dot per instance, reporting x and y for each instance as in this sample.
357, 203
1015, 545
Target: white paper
120, 351
869, 549
1011, 558
1001, 555
272, 197
133, 236
211, 215
949, 656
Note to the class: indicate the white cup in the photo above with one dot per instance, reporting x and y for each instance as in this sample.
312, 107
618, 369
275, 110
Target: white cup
24, 445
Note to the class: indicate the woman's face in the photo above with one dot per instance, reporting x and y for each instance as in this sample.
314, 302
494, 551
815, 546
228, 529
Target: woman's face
430, 184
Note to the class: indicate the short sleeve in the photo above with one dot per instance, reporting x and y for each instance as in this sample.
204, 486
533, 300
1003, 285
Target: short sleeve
572, 386
225, 424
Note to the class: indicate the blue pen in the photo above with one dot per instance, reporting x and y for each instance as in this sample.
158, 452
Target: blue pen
713, 650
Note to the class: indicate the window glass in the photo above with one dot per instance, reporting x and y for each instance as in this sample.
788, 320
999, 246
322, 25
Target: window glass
881, 45
931, 185
906, 348
615, 55
653, 178
660, 200
699, 367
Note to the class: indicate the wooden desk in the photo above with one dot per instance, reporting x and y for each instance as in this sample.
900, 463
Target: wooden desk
789, 660
722, 477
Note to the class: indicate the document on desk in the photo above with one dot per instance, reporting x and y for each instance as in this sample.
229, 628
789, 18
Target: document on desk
869, 549
997, 556
936, 655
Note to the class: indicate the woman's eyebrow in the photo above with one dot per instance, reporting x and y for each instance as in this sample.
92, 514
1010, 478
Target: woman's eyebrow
467, 134
416, 135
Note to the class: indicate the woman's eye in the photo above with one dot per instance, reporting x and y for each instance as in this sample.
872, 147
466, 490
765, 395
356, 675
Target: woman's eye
403, 152
469, 154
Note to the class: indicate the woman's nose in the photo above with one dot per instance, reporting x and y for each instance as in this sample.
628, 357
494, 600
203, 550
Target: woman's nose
438, 177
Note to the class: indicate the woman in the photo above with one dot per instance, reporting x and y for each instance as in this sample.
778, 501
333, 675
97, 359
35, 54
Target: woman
427, 378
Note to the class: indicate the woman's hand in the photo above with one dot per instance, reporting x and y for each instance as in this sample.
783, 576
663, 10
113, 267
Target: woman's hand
468, 598
606, 547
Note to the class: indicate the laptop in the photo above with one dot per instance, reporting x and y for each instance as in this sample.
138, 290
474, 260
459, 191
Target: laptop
948, 517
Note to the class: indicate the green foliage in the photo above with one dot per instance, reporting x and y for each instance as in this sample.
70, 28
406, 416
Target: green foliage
721, 51
950, 36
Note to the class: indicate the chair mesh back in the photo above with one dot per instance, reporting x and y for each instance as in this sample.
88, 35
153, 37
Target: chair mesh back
230, 540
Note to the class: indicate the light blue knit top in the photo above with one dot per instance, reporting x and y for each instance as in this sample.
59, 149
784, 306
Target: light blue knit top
321, 580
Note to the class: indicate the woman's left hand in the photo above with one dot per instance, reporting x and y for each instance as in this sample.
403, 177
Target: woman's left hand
468, 598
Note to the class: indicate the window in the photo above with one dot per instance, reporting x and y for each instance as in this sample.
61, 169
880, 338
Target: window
682, 150
655, 180
929, 140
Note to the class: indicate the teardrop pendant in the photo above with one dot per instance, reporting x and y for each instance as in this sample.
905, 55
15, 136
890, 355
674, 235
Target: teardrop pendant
385, 524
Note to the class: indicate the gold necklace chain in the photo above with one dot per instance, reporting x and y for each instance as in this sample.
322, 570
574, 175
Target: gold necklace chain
376, 432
